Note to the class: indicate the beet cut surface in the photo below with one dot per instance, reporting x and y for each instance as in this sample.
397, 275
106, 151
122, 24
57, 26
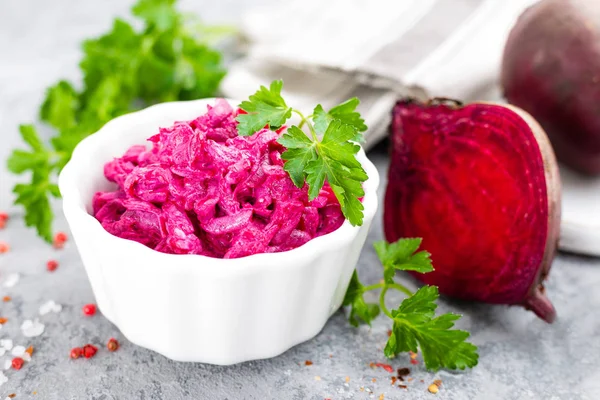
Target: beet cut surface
480, 185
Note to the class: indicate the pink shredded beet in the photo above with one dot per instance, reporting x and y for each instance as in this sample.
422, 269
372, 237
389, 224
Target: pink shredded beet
479, 183
202, 189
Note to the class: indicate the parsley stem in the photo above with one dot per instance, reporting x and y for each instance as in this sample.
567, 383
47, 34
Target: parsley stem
310, 127
382, 302
400, 288
397, 286
373, 287
386, 287
300, 114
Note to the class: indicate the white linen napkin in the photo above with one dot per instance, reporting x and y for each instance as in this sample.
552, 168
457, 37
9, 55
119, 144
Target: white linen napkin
377, 50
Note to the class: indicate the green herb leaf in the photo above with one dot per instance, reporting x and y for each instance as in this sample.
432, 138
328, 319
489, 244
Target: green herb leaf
265, 107
157, 13
198, 70
308, 159
360, 311
337, 163
345, 113
123, 70
416, 326
21, 160
54, 190
114, 54
33, 196
300, 151
60, 106
402, 255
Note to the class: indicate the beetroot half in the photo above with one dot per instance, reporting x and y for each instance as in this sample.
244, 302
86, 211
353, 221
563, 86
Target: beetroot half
479, 183
551, 69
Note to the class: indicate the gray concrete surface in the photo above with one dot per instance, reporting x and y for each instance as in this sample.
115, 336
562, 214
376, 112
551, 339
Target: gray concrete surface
521, 357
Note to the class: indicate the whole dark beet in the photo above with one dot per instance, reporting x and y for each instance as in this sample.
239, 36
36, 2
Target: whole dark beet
551, 69
479, 183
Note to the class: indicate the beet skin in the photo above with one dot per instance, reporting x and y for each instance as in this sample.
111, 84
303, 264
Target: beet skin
551, 69
479, 183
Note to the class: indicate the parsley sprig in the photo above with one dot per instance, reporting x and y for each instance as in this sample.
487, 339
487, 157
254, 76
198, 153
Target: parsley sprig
123, 70
326, 154
414, 321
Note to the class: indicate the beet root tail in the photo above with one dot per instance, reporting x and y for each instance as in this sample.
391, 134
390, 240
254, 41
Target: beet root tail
537, 302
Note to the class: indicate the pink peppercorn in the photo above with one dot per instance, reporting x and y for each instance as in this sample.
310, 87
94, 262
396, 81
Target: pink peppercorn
76, 352
51, 265
59, 240
89, 309
17, 363
89, 351
112, 345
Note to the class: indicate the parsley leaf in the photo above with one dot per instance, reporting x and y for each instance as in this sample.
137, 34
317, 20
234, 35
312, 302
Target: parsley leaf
300, 151
337, 163
415, 326
265, 107
309, 159
123, 70
118, 50
158, 14
60, 107
34, 197
360, 309
198, 70
402, 256
21, 160
345, 113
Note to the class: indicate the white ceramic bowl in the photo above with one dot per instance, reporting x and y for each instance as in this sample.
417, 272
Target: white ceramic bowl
197, 308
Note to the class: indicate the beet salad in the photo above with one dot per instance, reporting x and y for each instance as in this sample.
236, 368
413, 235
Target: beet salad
202, 189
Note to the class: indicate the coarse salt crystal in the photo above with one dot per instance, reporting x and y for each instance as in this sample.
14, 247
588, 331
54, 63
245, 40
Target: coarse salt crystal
7, 344
3, 378
11, 280
21, 351
32, 328
18, 351
50, 306
8, 364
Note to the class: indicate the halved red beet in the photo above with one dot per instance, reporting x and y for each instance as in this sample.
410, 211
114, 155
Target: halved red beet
479, 183
551, 69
